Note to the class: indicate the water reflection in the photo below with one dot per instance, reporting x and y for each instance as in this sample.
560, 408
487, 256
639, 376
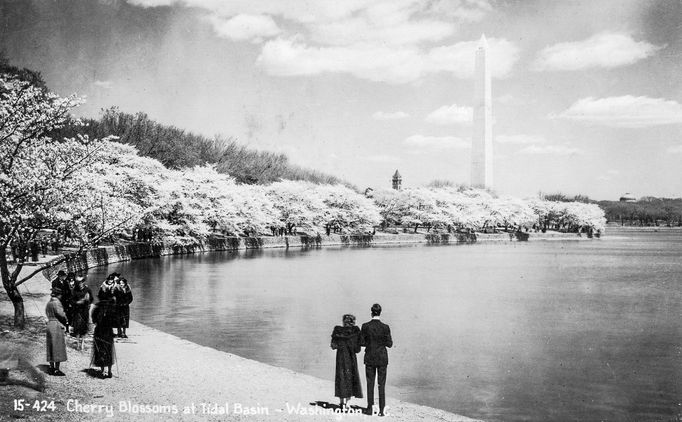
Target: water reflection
522, 331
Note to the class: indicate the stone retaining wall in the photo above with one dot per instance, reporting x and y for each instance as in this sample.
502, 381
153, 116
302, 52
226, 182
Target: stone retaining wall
117, 253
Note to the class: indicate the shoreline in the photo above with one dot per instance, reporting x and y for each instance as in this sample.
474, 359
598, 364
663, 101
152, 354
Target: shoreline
127, 252
157, 376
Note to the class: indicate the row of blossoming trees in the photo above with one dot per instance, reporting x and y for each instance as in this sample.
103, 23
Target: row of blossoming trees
95, 188
201, 202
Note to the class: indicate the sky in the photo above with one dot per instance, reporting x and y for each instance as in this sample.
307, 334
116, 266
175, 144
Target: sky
587, 95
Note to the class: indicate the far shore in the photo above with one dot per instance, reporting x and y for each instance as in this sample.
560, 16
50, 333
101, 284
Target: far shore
159, 376
643, 228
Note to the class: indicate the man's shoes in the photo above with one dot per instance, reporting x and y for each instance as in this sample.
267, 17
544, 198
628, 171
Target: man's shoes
367, 411
381, 413
58, 373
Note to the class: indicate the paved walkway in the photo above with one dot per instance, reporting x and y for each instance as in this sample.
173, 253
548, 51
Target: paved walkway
161, 377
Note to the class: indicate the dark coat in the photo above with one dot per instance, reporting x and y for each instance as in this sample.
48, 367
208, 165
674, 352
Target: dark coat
346, 342
80, 302
64, 286
124, 297
56, 320
375, 336
105, 317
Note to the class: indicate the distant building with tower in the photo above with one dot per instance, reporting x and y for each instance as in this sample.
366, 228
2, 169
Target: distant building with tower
628, 197
482, 139
397, 181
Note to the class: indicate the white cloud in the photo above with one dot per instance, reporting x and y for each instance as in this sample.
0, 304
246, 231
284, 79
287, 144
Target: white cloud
604, 50
151, 3
382, 158
437, 142
283, 57
303, 11
675, 149
549, 150
519, 139
626, 111
382, 115
103, 84
467, 10
359, 31
452, 114
245, 27
306, 11
381, 63
377, 40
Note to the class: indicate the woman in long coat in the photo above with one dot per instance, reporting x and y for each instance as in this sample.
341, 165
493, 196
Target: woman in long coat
105, 317
56, 324
124, 297
81, 298
346, 342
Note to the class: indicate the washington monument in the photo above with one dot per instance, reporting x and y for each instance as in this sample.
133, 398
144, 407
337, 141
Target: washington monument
482, 139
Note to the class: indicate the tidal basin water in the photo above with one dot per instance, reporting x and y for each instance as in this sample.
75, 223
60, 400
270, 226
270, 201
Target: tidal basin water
543, 330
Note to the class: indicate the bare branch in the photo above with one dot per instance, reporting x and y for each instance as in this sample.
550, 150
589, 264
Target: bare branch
41, 268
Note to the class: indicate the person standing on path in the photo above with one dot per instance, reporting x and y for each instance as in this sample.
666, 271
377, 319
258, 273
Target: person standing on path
124, 297
80, 302
56, 323
375, 336
346, 342
62, 283
105, 318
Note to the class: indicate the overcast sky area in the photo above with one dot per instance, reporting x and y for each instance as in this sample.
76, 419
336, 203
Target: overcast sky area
587, 95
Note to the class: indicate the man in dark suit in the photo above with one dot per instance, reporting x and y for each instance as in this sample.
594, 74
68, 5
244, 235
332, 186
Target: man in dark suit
375, 336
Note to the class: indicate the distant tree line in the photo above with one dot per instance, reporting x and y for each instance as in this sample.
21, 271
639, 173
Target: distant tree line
177, 148
647, 211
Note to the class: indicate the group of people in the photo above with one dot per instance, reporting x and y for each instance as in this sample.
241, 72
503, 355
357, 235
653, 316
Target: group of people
69, 307
347, 340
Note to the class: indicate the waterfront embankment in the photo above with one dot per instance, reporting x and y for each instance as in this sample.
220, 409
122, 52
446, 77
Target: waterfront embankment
126, 252
159, 376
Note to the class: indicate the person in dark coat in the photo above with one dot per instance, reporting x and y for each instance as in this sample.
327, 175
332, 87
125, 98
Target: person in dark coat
81, 299
55, 342
68, 302
105, 318
62, 283
108, 288
346, 342
124, 297
375, 336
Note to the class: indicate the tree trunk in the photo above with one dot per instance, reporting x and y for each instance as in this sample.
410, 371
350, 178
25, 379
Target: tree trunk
12, 292
19, 316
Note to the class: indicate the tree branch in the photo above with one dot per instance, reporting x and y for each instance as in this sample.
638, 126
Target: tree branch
41, 268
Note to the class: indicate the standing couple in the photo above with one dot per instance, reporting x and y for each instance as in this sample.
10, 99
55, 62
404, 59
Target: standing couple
375, 337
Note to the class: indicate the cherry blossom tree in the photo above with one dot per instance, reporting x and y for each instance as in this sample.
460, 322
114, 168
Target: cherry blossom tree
348, 209
298, 205
42, 180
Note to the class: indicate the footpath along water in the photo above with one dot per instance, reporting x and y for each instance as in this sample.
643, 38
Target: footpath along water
539, 330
